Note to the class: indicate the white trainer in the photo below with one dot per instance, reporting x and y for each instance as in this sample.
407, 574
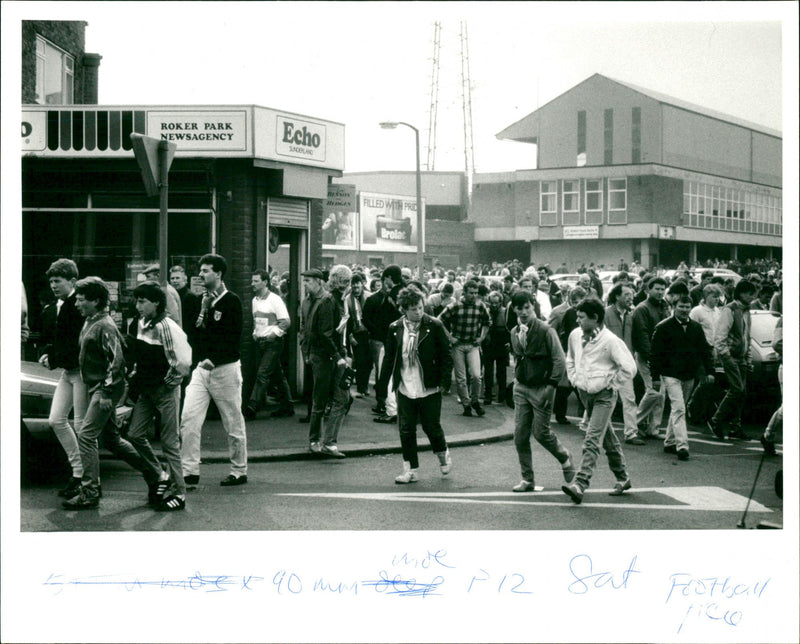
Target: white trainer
409, 475
445, 462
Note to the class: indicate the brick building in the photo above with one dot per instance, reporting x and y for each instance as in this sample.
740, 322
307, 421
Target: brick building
625, 172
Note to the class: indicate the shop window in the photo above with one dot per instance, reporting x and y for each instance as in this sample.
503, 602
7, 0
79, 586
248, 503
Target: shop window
548, 203
617, 201
593, 198
570, 203
55, 74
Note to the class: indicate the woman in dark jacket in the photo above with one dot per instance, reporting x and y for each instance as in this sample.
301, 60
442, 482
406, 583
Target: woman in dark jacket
417, 358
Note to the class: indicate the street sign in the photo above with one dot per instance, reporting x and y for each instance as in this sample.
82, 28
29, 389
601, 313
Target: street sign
146, 151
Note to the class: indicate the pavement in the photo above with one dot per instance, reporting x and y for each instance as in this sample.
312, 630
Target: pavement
286, 439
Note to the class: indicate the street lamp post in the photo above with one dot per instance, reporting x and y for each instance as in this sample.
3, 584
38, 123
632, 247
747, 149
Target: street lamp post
391, 125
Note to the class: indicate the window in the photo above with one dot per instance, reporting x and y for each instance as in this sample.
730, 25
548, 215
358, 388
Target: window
581, 138
723, 208
636, 135
548, 203
608, 137
617, 201
55, 74
593, 198
571, 203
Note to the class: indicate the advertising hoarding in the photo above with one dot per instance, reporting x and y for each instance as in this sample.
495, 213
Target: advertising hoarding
389, 223
340, 218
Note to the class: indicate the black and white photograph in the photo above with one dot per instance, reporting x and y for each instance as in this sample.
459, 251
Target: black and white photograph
400, 322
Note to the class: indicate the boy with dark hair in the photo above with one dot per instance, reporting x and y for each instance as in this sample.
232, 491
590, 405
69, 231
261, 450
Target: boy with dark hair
597, 363
217, 376
540, 367
162, 358
102, 367
63, 353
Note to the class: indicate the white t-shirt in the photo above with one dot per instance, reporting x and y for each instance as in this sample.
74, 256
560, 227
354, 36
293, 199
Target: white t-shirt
266, 313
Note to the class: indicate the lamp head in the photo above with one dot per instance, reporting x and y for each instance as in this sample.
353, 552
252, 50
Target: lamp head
389, 125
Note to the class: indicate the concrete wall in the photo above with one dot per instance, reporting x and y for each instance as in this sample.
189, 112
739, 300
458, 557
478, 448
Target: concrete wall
767, 159
582, 251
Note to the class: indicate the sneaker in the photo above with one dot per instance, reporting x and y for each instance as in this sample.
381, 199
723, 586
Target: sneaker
331, 450
408, 476
568, 469
380, 410
314, 448
156, 492
384, 418
74, 486
670, 449
171, 504
573, 492
282, 413
717, 431
191, 479
249, 413
233, 480
683, 454
445, 462
634, 440
81, 501
467, 411
769, 446
620, 487
478, 409
523, 486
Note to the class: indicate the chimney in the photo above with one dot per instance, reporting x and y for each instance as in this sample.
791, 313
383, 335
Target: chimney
91, 69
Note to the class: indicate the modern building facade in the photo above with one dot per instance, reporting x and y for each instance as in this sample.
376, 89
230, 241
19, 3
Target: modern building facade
627, 173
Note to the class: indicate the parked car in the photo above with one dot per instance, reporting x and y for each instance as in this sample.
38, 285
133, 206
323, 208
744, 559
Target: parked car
565, 281
764, 377
41, 457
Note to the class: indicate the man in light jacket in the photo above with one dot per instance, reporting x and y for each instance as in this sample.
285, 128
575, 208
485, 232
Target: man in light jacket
597, 363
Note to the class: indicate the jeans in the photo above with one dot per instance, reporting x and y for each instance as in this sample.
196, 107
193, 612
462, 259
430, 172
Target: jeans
223, 385
268, 358
730, 409
626, 394
322, 369
562, 399
651, 406
70, 393
467, 356
492, 364
390, 402
362, 362
427, 411
340, 401
532, 408
165, 400
599, 407
678, 392
99, 424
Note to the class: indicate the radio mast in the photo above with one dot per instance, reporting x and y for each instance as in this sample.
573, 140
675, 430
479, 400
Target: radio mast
433, 108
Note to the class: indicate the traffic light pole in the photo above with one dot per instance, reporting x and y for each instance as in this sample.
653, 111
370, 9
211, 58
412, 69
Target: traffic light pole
163, 200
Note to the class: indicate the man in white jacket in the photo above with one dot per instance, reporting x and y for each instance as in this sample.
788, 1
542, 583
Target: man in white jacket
597, 363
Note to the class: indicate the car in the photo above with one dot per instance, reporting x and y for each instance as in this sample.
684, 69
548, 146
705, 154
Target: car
42, 458
565, 281
764, 377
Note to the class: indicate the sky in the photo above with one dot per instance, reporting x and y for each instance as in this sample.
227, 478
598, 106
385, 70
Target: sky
362, 63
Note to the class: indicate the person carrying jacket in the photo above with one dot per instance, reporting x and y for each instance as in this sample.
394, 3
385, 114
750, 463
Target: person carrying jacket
417, 361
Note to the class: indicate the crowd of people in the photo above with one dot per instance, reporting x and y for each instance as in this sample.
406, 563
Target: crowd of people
412, 336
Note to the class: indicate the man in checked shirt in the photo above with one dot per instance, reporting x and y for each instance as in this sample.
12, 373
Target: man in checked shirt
467, 323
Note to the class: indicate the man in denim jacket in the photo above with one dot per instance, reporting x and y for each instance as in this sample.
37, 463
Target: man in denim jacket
597, 363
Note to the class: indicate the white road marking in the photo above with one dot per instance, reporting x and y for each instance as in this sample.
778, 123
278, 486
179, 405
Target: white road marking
707, 499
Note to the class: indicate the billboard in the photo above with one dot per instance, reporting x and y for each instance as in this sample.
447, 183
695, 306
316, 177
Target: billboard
340, 218
389, 223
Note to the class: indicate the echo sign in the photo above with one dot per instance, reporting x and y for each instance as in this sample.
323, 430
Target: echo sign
300, 139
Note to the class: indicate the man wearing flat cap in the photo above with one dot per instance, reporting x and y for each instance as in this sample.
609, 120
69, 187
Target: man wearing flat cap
153, 272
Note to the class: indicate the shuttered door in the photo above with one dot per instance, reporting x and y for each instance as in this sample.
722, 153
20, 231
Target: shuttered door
291, 213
